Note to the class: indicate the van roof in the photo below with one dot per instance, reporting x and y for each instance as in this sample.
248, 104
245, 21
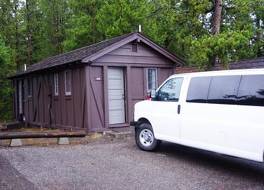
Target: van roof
222, 72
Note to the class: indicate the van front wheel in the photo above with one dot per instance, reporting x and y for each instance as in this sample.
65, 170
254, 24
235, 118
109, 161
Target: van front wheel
145, 138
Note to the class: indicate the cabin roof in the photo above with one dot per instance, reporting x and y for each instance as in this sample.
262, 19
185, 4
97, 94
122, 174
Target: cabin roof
248, 63
89, 53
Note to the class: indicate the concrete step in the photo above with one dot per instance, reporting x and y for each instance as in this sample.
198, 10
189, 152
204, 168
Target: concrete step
2, 127
92, 137
46, 138
119, 133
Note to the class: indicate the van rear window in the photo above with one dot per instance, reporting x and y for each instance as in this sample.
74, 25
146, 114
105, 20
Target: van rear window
251, 90
223, 89
238, 90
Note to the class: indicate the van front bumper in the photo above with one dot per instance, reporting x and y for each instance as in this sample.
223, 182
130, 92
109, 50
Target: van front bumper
133, 123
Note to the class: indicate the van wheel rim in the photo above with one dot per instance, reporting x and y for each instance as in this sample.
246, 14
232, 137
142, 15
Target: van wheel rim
146, 137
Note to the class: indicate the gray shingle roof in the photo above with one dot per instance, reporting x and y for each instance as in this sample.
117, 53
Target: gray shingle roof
72, 56
248, 64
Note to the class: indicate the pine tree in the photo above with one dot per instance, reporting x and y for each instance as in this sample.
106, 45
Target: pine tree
81, 27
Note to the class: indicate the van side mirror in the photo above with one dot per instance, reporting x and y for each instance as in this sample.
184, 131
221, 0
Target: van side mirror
153, 94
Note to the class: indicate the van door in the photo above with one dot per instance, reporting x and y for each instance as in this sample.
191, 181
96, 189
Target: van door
210, 111
166, 110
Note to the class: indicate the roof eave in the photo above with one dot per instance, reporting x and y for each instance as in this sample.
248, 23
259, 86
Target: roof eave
21, 74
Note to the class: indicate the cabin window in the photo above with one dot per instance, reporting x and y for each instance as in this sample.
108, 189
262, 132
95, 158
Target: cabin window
152, 79
68, 82
56, 84
134, 47
29, 87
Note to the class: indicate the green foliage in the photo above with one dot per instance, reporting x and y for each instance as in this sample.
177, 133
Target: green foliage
81, 27
227, 46
5, 87
54, 15
117, 17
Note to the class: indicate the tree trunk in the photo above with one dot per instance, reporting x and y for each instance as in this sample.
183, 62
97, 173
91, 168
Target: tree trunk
16, 35
216, 23
217, 17
29, 32
57, 25
259, 37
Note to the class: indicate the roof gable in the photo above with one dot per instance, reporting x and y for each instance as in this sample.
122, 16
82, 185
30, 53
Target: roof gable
140, 38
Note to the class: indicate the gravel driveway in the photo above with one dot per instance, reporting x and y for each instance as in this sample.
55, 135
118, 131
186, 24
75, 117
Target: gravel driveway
121, 165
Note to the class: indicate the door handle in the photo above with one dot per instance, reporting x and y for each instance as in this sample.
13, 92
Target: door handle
179, 109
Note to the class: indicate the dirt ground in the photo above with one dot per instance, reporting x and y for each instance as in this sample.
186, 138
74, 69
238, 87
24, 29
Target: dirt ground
121, 165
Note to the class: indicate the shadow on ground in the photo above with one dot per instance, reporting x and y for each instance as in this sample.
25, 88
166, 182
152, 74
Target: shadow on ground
234, 166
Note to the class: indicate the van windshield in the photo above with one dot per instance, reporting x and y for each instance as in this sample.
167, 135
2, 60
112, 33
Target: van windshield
170, 91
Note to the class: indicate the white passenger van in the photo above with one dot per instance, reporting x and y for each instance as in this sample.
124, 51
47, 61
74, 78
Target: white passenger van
219, 111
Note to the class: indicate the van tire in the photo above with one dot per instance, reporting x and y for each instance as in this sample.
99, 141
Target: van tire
145, 138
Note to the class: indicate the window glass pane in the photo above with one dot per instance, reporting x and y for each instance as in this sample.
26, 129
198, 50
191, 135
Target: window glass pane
170, 91
223, 89
56, 84
152, 79
198, 89
251, 90
68, 82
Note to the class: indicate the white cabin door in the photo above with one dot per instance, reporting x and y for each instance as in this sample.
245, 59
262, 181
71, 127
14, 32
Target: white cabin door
116, 95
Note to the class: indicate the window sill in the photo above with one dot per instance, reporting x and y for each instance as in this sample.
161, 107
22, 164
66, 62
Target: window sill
68, 97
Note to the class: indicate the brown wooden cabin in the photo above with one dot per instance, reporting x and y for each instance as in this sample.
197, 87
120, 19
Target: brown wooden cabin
94, 87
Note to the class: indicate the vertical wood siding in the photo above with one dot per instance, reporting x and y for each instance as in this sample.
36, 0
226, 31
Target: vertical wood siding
95, 94
46, 109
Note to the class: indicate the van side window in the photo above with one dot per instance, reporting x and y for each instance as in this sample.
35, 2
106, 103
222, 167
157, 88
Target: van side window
170, 91
251, 90
223, 89
198, 89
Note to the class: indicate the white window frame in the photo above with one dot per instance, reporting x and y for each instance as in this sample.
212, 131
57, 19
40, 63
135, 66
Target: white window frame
156, 81
56, 84
68, 92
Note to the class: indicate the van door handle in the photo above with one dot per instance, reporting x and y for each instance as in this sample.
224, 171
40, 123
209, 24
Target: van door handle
179, 109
